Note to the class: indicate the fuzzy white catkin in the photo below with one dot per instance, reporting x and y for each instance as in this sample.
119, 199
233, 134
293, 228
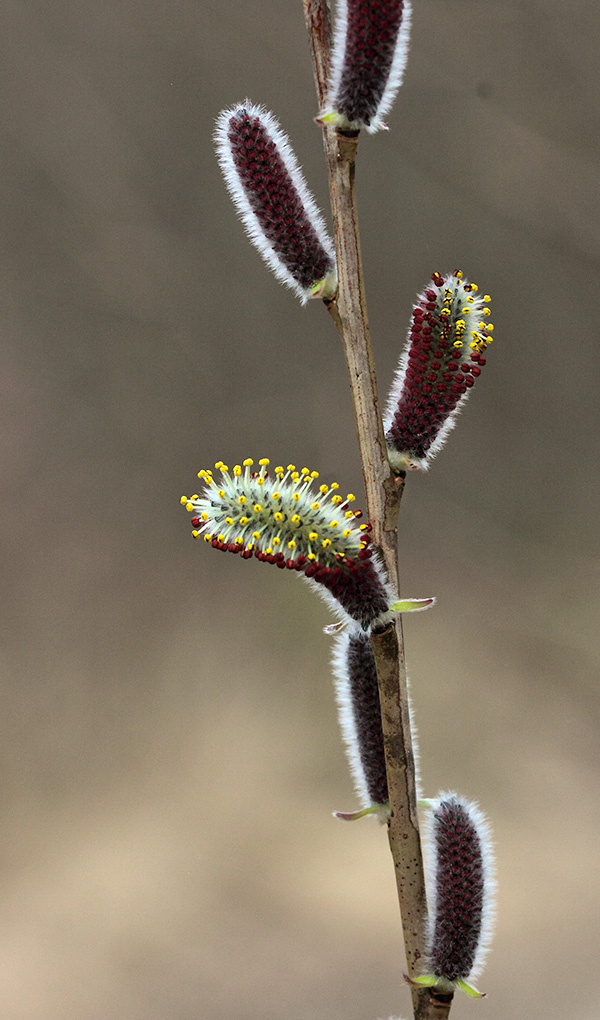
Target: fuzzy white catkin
462, 867
296, 239
375, 94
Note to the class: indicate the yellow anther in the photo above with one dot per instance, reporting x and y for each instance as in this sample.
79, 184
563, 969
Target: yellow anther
237, 470
490, 327
311, 556
204, 516
279, 471
349, 513
264, 461
208, 538
364, 527
458, 274
326, 543
305, 471
333, 524
275, 496
194, 497
474, 287
334, 485
183, 500
295, 497
257, 508
323, 489
316, 506
486, 297
457, 344
224, 469
474, 345
486, 312
276, 541
229, 521
296, 519
260, 481
195, 534
248, 462
219, 464
242, 500
291, 467
346, 532
445, 311
336, 499
220, 538
350, 497
314, 474
291, 544
268, 551
250, 546
313, 536
243, 521
222, 493
295, 476
256, 534
239, 541
278, 516
189, 507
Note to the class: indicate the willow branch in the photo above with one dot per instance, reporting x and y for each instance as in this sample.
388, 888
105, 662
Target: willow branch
383, 494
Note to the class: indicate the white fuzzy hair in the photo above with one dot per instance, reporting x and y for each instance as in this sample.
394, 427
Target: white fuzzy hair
488, 915
395, 76
240, 200
339, 665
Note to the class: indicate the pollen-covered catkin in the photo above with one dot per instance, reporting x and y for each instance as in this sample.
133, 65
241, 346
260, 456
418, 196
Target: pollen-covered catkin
443, 357
273, 201
282, 519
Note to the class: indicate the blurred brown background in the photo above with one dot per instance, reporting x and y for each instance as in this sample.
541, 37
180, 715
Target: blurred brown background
170, 754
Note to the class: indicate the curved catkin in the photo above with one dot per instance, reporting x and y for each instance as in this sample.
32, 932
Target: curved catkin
368, 59
461, 885
360, 716
443, 357
281, 518
273, 201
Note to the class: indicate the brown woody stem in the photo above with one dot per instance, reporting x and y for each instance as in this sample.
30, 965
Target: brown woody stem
383, 493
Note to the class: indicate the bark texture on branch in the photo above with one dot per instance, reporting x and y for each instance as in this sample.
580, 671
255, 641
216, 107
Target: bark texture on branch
383, 495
